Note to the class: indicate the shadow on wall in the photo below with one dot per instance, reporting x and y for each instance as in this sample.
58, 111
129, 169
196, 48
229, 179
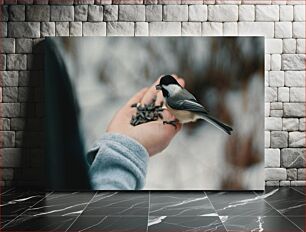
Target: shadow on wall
31, 171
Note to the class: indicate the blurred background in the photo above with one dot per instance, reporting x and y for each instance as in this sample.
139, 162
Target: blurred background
226, 74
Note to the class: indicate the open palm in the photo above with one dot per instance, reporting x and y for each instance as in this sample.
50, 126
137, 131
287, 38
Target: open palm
154, 136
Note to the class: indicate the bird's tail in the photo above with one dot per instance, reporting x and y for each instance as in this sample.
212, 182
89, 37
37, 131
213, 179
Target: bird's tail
227, 129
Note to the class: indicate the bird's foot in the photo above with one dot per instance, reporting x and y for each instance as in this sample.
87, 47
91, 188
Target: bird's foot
173, 123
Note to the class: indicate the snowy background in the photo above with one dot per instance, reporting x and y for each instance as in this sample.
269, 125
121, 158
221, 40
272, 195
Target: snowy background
226, 74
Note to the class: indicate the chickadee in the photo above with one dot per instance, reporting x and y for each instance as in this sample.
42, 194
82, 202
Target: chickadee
184, 106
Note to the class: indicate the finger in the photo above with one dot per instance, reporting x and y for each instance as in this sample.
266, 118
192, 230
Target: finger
180, 80
150, 94
137, 97
167, 116
159, 98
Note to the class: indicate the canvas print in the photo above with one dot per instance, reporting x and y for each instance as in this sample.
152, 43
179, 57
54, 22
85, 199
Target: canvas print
155, 113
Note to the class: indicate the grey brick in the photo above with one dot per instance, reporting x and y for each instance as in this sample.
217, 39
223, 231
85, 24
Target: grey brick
276, 106
141, 29
174, 2
11, 109
9, 78
4, 15
273, 46
103, 2
165, 28
286, 13
62, 28
302, 174
17, 12
94, 29
295, 78
41, 2
24, 29
212, 29
2, 62
120, 28
80, 12
246, 13
284, 183
175, 13
82, 2
290, 124
302, 124
61, 2
293, 157
270, 182
18, 123
299, 12
272, 158
292, 174
11, 157
10, 94
197, 13
276, 113
267, 13
293, 61
16, 62
223, 13
298, 183
297, 94
191, 29
294, 110
283, 94
267, 138
270, 94
193, 2
47, 29
296, 139
110, 13
39, 13
24, 96
62, 13
279, 139
289, 45
95, 13
8, 45
8, 138
256, 28
131, 13
75, 29
154, 13
24, 45
275, 174
298, 29
6, 124
26, 2
127, 2
147, 2
300, 46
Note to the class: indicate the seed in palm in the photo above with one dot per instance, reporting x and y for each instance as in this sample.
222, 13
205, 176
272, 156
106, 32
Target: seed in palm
146, 113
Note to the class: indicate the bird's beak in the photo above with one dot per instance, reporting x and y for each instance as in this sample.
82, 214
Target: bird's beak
158, 87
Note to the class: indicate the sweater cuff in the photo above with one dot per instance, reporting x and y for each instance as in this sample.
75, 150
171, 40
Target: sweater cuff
132, 151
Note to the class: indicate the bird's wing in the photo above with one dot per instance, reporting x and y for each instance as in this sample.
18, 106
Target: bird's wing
185, 101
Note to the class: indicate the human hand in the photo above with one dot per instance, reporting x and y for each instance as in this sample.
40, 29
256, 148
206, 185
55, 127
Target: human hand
154, 136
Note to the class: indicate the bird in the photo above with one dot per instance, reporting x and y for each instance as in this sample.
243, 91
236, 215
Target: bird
184, 106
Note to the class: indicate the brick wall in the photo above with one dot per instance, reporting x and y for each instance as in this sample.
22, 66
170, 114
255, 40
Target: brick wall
24, 23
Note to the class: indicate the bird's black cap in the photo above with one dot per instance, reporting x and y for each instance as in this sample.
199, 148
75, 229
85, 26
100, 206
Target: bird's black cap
168, 80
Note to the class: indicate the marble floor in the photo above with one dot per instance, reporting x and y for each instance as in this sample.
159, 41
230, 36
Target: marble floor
276, 209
